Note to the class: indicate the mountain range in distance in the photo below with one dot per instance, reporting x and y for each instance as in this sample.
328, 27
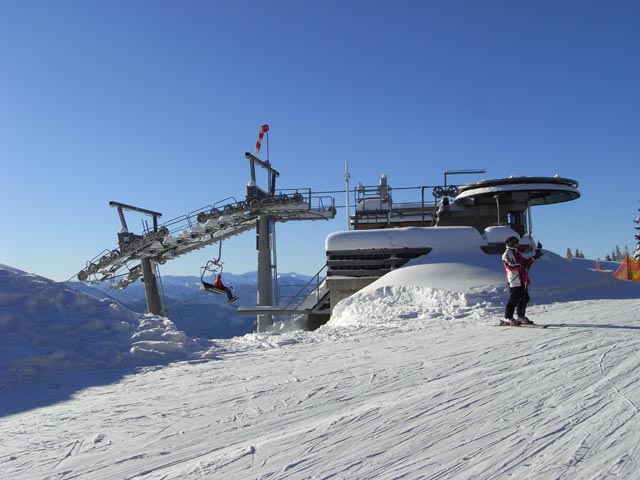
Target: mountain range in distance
195, 311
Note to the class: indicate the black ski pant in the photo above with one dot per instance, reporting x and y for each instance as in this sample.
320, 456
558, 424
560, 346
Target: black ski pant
517, 302
227, 290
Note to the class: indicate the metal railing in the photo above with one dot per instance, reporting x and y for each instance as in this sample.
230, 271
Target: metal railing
310, 292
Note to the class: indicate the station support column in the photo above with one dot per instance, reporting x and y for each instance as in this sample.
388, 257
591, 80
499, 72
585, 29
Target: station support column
265, 287
151, 287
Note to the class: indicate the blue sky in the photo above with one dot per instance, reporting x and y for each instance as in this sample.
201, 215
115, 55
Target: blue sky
153, 103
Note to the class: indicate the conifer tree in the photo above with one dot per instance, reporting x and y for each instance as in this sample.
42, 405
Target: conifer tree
617, 254
636, 254
569, 254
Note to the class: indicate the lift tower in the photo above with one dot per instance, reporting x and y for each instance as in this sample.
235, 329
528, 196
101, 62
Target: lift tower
154, 305
255, 195
136, 255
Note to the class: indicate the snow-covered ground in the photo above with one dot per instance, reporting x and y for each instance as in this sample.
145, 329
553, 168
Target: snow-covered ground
410, 379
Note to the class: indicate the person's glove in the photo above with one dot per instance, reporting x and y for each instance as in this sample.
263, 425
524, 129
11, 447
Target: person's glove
538, 253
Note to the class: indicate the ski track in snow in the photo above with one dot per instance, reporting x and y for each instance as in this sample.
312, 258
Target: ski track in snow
394, 401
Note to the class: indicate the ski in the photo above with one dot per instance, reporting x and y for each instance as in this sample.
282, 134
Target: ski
547, 325
532, 325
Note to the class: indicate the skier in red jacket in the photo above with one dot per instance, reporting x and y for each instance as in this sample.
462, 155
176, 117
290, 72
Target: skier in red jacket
516, 267
221, 286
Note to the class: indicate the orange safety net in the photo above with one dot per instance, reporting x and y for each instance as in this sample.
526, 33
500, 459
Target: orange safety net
629, 269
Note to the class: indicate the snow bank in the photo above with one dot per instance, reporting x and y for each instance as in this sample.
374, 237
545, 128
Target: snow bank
449, 285
45, 326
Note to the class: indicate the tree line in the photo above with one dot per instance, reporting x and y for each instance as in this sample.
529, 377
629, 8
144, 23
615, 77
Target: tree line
636, 254
616, 255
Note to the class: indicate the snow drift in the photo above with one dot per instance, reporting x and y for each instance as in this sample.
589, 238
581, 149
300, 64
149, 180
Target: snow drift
471, 284
46, 326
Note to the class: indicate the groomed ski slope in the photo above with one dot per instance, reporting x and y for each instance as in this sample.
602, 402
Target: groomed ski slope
409, 380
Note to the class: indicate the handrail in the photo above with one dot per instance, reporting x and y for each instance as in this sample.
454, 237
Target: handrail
303, 293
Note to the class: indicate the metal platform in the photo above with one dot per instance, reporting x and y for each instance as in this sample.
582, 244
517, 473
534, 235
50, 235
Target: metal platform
258, 310
532, 190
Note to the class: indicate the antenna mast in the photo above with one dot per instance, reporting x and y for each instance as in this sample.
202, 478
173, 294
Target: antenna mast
347, 177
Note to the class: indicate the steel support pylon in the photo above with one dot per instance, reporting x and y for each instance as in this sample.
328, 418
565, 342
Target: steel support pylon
265, 279
151, 287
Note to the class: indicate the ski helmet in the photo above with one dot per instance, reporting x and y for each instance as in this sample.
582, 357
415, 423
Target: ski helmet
511, 241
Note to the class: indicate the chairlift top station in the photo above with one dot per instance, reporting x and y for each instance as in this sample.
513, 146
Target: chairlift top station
480, 205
